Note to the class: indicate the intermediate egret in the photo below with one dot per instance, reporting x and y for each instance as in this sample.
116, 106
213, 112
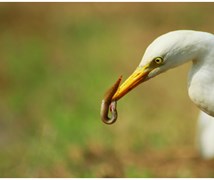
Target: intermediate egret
171, 50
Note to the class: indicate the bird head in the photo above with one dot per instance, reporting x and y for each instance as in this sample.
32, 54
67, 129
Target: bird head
165, 52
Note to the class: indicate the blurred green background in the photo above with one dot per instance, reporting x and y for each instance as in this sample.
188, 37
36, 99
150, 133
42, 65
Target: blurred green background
57, 61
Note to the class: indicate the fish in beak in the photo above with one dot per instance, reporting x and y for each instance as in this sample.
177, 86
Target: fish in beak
137, 77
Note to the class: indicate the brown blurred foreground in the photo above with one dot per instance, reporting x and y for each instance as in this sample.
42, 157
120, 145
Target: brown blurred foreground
173, 162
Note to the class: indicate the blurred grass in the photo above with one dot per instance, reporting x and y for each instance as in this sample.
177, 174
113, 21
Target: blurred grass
58, 59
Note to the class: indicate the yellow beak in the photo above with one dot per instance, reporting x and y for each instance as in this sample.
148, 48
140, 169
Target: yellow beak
137, 77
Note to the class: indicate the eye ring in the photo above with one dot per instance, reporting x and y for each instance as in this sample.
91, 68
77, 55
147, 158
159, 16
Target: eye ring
158, 60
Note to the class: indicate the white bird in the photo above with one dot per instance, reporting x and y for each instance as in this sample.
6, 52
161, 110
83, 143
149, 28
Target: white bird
171, 50
205, 136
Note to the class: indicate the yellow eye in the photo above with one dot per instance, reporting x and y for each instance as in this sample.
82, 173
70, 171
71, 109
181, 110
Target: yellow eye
158, 60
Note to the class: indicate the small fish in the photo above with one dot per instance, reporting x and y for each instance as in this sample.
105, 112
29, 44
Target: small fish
107, 104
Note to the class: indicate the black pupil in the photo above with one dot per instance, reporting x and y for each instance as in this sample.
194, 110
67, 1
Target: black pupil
158, 60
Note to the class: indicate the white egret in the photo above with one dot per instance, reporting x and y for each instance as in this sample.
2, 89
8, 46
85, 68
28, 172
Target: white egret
171, 50
205, 136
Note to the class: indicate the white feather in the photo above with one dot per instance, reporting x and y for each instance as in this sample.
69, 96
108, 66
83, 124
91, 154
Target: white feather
178, 47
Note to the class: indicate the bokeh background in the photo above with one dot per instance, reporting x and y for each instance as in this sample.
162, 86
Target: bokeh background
57, 61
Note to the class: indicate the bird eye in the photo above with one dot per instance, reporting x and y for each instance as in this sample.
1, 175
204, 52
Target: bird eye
158, 60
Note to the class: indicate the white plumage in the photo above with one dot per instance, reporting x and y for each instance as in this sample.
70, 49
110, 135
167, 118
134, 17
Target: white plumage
205, 137
178, 47
171, 50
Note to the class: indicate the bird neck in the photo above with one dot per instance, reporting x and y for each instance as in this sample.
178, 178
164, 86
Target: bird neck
201, 78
